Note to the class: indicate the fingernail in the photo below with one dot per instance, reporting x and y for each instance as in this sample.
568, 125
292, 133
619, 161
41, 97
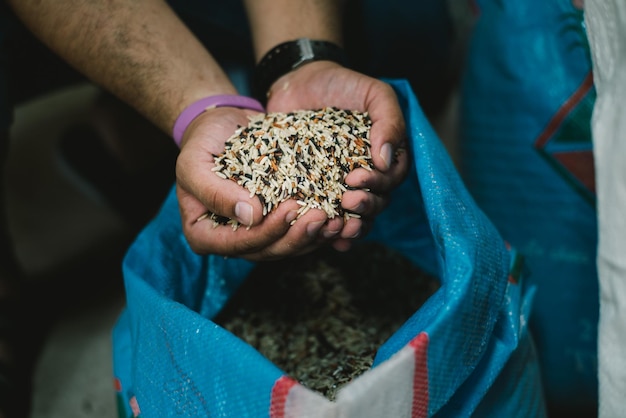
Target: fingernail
314, 227
291, 216
243, 212
386, 153
330, 234
358, 208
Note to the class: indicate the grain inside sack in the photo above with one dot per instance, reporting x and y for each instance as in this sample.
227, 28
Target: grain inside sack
321, 317
303, 155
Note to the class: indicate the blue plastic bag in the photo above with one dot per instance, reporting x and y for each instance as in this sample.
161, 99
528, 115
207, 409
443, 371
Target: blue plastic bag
526, 156
466, 351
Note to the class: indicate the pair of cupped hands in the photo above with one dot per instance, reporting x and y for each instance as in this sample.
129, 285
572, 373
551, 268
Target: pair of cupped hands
312, 86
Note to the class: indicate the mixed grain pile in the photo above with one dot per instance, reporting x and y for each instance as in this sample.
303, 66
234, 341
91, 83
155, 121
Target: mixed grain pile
322, 317
303, 155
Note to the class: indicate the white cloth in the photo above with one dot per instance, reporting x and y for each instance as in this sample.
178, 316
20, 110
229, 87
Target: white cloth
606, 23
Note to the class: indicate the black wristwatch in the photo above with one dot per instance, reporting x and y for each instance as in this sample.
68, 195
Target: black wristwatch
288, 56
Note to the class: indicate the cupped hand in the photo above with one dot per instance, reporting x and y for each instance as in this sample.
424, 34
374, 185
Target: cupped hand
323, 83
200, 191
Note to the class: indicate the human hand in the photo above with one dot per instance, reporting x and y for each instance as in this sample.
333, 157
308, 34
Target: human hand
323, 83
200, 190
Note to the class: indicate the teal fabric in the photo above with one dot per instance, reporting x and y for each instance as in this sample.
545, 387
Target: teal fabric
527, 158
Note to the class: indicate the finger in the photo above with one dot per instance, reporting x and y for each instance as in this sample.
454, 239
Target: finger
387, 133
206, 238
353, 229
364, 203
342, 244
303, 236
332, 228
216, 195
381, 182
222, 197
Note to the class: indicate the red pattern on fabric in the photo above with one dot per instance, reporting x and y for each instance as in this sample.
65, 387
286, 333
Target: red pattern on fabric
420, 376
280, 392
580, 164
134, 406
562, 113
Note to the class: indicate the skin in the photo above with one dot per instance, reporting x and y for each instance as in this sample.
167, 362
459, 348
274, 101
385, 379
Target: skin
141, 52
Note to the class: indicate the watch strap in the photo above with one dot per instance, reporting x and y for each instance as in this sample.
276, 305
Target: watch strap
288, 56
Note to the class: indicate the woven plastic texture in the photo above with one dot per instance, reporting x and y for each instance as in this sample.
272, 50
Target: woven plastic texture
466, 351
526, 152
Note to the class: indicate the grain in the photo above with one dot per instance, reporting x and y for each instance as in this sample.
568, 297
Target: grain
321, 317
303, 155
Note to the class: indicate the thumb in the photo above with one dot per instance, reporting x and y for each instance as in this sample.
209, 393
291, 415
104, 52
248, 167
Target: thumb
201, 190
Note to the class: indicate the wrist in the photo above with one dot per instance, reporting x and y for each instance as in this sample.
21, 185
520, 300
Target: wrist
289, 56
198, 107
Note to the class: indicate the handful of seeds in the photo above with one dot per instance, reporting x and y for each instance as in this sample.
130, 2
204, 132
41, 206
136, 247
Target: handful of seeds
303, 155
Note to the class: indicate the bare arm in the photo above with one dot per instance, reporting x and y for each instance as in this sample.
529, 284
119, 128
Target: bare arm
275, 21
137, 49
141, 52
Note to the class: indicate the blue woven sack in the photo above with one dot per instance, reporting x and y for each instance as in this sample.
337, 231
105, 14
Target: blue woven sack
465, 352
526, 157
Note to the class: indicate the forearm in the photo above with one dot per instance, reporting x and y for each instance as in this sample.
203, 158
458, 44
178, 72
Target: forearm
137, 49
276, 21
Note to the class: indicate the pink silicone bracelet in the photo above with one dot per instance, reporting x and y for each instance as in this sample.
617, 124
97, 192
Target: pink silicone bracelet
196, 108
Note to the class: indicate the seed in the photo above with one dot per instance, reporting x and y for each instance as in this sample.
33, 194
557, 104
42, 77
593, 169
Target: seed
305, 154
321, 317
